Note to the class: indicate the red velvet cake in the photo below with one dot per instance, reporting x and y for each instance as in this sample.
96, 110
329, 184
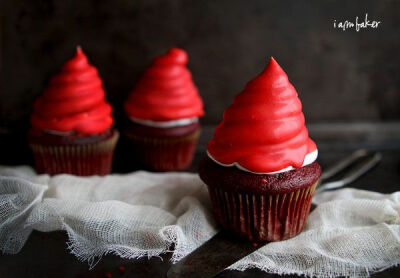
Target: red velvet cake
72, 123
164, 108
261, 169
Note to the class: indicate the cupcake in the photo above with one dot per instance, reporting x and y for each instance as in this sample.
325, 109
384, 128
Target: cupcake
164, 110
261, 169
72, 123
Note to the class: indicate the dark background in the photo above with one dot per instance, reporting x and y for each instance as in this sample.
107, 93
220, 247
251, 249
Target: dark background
340, 76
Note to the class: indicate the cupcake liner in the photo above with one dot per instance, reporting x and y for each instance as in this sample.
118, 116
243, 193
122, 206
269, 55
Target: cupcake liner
262, 217
80, 159
164, 153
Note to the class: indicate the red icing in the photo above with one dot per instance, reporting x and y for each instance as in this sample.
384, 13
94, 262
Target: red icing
74, 100
166, 90
264, 128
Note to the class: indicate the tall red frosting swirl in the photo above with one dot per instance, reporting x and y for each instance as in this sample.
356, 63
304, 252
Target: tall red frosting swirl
166, 91
74, 100
264, 129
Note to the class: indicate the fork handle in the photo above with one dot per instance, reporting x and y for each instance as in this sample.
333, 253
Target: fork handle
354, 173
342, 164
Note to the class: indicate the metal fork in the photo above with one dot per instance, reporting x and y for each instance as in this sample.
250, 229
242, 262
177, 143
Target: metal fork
367, 160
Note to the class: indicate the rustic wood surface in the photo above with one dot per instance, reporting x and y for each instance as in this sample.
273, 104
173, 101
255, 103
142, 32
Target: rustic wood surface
46, 254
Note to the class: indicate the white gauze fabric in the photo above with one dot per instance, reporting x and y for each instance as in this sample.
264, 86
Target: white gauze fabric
350, 233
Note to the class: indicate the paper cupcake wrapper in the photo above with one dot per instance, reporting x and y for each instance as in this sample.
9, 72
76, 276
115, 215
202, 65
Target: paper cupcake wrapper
262, 217
80, 159
164, 153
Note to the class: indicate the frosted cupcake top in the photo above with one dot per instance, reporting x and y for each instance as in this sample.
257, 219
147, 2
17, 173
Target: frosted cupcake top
74, 101
263, 131
165, 92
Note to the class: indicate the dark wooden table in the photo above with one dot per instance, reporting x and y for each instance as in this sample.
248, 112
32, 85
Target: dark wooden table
46, 254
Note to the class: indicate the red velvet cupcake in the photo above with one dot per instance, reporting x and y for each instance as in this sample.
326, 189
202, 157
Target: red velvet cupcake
261, 169
72, 123
164, 109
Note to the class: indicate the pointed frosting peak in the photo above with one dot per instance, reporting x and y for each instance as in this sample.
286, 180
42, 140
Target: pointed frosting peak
173, 56
78, 49
274, 70
74, 100
79, 61
166, 91
273, 67
263, 131
270, 78
274, 64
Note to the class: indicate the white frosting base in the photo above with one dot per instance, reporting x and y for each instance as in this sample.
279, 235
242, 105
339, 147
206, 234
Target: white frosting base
166, 124
59, 133
310, 158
